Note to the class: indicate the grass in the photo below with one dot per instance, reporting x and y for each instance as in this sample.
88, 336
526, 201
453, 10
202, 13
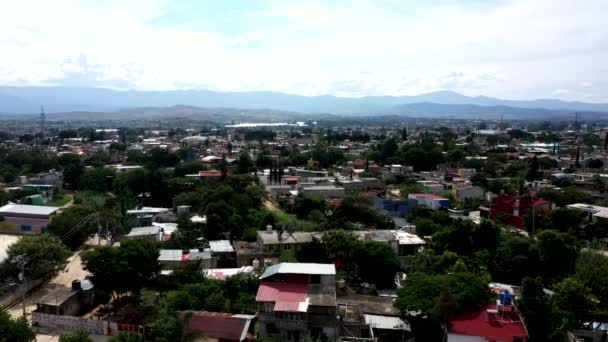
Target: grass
59, 200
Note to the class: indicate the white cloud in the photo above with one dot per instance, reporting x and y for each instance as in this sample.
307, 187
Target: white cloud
513, 49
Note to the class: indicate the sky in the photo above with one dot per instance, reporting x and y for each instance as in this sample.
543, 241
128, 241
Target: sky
512, 49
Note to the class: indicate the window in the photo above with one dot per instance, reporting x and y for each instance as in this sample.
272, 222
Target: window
315, 278
26, 228
287, 247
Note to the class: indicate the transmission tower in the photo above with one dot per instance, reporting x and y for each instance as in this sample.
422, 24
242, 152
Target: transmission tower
42, 121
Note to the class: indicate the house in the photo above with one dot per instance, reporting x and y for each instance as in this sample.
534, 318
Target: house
173, 259
430, 200
274, 241
222, 253
297, 300
147, 215
325, 191
364, 317
25, 219
220, 327
494, 322
467, 192
67, 301
512, 209
394, 206
157, 231
402, 242
252, 253
592, 212
360, 184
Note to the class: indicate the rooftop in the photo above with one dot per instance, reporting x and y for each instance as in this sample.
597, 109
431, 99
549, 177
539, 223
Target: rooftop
429, 196
147, 210
220, 246
25, 209
141, 231
272, 237
481, 323
299, 268
57, 296
217, 325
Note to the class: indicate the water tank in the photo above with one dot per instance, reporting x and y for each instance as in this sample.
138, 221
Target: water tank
505, 298
76, 285
183, 209
269, 228
255, 263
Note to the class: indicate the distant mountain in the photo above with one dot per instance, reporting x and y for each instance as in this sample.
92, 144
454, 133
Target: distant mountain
67, 99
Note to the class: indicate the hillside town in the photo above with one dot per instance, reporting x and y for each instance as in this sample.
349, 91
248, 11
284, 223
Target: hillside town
424, 230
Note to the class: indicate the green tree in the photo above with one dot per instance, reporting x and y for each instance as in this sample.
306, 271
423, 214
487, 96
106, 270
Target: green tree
574, 300
73, 225
128, 267
81, 336
15, 330
532, 172
377, 264
536, 310
592, 271
44, 255
565, 219
557, 253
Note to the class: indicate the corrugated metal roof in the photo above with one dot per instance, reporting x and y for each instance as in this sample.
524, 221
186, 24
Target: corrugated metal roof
221, 246
26, 209
273, 292
299, 268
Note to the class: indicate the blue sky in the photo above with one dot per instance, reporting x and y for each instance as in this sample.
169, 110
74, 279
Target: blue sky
517, 49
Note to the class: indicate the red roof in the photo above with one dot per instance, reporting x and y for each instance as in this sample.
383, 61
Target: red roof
504, 327
218, 325
286, 306
275, 292
287, 296
211, 173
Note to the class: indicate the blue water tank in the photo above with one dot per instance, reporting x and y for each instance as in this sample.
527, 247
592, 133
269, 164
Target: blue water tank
505, 298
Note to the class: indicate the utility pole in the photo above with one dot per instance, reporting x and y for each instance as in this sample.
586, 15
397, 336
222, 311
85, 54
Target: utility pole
21, 260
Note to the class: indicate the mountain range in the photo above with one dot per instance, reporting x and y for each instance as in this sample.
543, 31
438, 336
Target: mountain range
27, 100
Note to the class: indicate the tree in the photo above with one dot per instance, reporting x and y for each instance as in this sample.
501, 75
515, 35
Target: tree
557, 253
574, 300
81, 336
72, 224
377, 264
314, 251
15, 330
98, 179
426, 300
536, 311
44, 255
128, 267
592, 271
567, 220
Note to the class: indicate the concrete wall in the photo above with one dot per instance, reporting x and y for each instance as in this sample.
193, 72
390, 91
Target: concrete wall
71, 323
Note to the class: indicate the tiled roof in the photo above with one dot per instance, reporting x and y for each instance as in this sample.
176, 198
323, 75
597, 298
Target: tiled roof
478, 323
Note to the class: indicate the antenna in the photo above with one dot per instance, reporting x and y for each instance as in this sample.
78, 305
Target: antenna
42, 121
